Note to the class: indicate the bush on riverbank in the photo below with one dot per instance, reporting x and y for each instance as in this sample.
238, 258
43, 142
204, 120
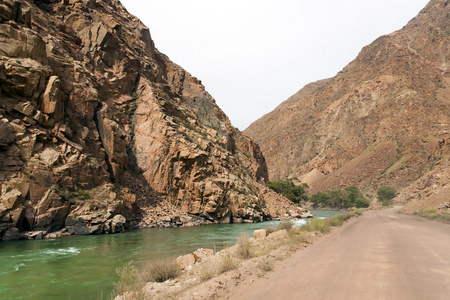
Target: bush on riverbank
160, 271
350, 197
244, 248
324, 225
130, 282
321, 225
287, 225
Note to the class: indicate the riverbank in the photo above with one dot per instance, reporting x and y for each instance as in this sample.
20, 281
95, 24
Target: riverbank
89, 219
211, 276
381, 255
55, 268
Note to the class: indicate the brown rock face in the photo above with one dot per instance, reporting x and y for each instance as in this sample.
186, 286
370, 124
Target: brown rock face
96, 122
376, 122
432, 190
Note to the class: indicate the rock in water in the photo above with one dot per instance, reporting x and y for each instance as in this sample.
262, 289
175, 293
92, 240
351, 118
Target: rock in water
118, 224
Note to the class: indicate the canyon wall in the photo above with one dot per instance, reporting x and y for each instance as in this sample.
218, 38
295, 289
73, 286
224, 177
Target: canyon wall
99, 129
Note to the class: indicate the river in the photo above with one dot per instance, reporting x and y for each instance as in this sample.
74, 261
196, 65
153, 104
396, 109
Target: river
84, 267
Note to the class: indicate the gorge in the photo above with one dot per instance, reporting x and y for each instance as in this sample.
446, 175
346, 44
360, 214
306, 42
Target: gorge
100, 130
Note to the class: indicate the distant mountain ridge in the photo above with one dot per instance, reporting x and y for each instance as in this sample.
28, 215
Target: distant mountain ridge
377, 122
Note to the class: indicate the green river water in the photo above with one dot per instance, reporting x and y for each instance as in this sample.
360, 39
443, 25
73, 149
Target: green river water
84, 267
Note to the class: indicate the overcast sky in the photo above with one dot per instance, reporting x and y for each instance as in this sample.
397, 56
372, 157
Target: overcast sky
253, 54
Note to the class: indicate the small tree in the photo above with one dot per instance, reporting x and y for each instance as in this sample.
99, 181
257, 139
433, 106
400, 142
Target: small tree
320, 198
288, 189
362, 203
386, 194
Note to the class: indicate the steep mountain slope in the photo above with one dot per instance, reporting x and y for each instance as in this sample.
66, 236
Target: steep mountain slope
377, 121
97, 124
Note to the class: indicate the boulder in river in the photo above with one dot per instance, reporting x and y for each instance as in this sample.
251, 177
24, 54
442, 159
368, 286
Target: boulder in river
118, 224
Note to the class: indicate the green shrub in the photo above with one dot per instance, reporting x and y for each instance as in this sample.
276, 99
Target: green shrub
362, 203
71, 195
357, 212
350, 197
322, 225
386, 194
336, 222
288, 189
83, 195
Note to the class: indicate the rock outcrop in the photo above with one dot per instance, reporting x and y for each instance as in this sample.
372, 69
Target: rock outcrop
432, 190
376, 122
99, 130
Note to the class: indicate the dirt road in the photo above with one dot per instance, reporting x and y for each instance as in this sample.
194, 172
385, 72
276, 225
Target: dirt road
381, 255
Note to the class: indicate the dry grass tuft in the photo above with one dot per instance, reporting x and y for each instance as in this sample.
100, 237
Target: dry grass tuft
321, 225
433, 214
287, 225
130, 283
270, 230
160, 271
244, 249
227, 263
265, 265
207, 270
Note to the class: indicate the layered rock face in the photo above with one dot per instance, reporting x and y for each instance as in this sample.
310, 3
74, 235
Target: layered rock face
376, 122
96, 123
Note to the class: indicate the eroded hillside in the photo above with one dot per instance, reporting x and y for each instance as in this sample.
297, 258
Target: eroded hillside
377, 122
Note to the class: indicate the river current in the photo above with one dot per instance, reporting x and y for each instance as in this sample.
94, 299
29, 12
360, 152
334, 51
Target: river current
84, 267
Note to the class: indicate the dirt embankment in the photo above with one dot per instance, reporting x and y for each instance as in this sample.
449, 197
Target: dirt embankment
382, 255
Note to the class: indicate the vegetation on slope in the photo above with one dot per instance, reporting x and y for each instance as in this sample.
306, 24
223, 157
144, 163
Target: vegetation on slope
287, 188
386, 194
433, 214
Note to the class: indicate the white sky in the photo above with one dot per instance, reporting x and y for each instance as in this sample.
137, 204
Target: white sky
253, 54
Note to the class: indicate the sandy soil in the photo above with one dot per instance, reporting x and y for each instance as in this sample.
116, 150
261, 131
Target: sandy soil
381, 255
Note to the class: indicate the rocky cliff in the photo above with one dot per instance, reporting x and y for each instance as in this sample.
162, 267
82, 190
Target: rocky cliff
377, 122
98, 128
